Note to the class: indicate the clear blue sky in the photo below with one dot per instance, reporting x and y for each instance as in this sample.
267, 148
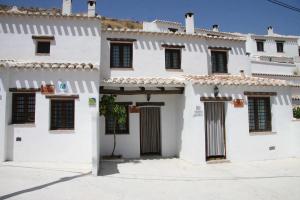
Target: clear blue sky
232, 15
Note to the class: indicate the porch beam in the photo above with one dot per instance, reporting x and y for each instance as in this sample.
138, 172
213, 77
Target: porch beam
215, 98
139, 92
161, 88
260, 93
150, 103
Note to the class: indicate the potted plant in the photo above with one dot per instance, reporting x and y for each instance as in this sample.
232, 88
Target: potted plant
109, 108
296, 112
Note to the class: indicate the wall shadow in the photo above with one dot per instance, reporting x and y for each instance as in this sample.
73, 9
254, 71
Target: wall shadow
61, 180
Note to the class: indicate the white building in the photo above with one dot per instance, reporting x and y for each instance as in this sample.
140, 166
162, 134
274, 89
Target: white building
49, 72
275, 56
189, 92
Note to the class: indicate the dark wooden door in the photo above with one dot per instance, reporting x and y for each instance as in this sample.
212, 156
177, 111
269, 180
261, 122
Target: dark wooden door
215, 130
150, 138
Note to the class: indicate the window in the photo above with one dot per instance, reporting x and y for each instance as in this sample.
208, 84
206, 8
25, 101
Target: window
62, 114
120, 129
299, 51
121, 55
43, 47
260, 45
259, 114
173, 58
23, 108
279, 46
219, 61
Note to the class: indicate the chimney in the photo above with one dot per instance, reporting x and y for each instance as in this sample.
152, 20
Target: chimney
67, 7
270, 30
91, 8
189, 23
215, 28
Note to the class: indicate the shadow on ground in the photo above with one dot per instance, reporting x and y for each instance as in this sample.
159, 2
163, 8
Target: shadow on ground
61, 180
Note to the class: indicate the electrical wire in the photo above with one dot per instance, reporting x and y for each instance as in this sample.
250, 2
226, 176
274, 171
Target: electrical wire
285, 5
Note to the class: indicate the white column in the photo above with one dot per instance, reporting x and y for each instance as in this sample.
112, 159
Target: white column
4, 106
95, 143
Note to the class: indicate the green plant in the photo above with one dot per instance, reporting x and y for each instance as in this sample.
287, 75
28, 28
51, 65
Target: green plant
296, 112
109, 108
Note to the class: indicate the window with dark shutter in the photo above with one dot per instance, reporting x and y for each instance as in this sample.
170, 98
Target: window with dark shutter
62, 114
23, 108
43, 47
279, 46
173, 58
260, 45
121, 55
259, 110
120, 129
219, 61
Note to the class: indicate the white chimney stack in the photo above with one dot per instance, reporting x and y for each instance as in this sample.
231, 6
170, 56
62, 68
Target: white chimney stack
270, 30
67, 7
215, 28
91, 8
189, 23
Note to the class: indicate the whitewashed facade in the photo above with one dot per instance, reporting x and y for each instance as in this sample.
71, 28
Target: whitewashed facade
213, 70
73, 61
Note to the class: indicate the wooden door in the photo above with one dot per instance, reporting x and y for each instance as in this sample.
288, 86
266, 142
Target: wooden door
150, 137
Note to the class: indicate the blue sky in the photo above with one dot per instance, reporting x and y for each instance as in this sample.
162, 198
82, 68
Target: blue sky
232, 15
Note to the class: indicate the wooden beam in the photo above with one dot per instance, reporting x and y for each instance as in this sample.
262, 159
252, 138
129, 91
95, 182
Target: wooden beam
139, 92
247, 93
220, 48
172, 46
215, 98
121, 39
43, 37
24, 89
150, 103
161, 88
62, 96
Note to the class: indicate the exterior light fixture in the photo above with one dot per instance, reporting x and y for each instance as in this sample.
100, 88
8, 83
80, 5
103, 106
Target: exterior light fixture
148, 97
216, 91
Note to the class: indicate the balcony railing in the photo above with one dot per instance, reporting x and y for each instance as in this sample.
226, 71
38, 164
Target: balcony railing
277, 59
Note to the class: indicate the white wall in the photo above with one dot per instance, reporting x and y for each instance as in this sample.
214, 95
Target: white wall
75, 40
290, 47
273, 68
129, 145
240, 144
4, 75
149, 56
39, 143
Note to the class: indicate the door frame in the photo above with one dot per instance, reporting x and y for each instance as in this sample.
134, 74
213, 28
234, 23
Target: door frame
206, 143
151, 105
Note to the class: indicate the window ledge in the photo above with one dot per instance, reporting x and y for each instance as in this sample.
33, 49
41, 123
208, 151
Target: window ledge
26, 125
122, 68
262, 133
62, 131
174, 70
117, 134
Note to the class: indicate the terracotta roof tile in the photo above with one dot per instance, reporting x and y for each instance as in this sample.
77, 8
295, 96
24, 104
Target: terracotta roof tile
235, 80
44, 65
145, 81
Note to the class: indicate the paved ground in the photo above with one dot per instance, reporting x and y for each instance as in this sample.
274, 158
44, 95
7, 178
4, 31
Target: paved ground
153, 179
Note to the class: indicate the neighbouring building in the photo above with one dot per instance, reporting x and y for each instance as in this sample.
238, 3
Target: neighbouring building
275, 56
192, 93
49, 73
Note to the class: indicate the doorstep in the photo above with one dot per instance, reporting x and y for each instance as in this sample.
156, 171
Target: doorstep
220, 161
